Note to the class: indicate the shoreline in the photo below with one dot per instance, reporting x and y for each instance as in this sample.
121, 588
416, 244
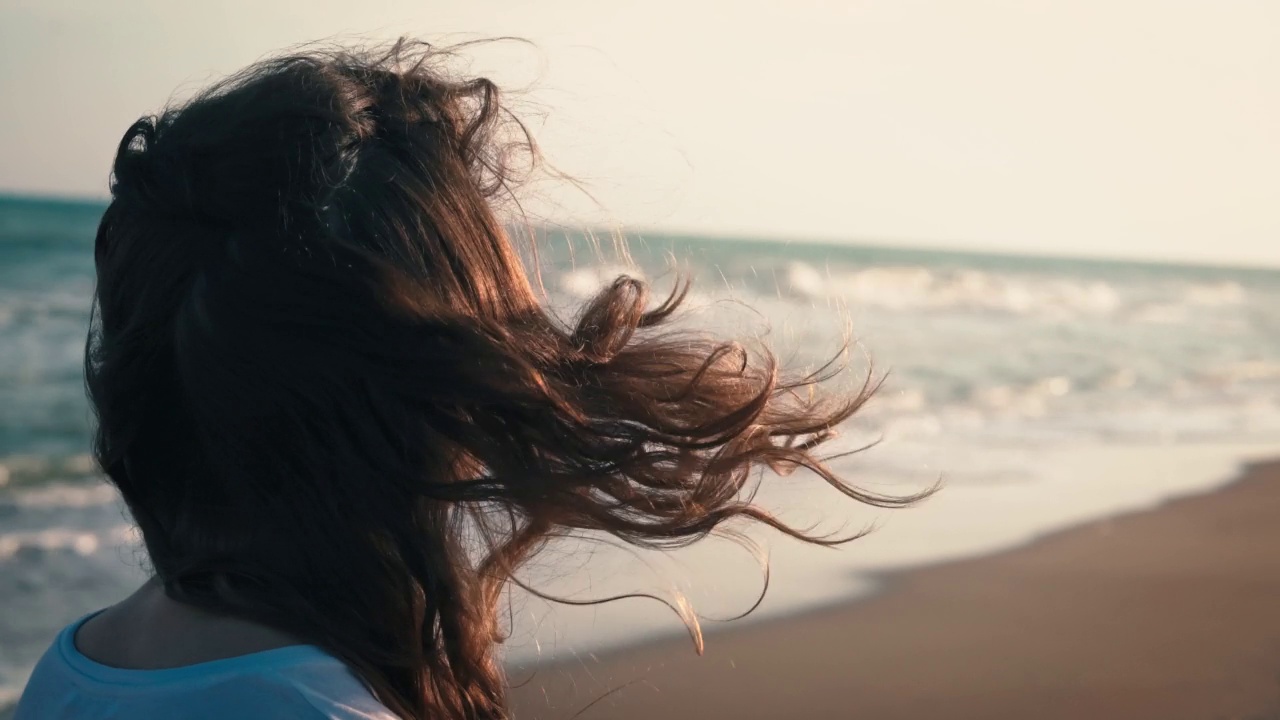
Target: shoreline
964, 523
1156, 612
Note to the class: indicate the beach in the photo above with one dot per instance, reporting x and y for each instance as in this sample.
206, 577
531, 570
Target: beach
1170, 612
1047, 393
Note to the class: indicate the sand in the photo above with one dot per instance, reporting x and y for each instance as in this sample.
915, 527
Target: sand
1169, 613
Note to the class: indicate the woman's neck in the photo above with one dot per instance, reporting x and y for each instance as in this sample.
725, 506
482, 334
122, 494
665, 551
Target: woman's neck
151, 631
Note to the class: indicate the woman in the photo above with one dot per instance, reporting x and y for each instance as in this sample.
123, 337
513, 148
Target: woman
341, 419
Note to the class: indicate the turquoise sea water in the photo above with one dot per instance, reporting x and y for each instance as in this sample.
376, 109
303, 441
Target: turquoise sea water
985, 351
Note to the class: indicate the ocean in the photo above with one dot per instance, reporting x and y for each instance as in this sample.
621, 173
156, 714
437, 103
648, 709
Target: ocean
1042, 392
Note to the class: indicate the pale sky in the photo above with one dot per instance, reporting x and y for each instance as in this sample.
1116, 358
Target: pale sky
1139, 128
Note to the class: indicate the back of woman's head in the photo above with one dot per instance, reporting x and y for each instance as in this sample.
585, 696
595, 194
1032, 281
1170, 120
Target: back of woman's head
333, 402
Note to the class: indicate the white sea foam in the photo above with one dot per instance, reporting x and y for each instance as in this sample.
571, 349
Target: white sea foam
10, 695
26, 465
30, 469
82, 543
66, 495
902, 288
585, 282
1216, 295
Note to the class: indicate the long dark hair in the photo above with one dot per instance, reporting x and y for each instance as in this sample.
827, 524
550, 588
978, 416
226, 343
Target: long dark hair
334, 403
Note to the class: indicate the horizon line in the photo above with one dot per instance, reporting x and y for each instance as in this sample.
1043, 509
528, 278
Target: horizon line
885, 243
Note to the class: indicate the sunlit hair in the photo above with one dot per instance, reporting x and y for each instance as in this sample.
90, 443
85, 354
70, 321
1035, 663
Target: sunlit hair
335, 405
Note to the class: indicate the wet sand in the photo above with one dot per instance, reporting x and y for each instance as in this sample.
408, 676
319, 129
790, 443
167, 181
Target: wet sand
1169, 613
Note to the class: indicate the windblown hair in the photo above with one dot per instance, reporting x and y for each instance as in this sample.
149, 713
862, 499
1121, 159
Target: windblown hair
334, 403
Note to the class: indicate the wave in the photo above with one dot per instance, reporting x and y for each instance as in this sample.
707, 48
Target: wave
23, 470
920, 288
935, 289
585, 282
30, 309
1223, 294
66, 495
52, 540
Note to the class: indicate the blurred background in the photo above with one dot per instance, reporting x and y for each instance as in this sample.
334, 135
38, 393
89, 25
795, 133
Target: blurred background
1054, 223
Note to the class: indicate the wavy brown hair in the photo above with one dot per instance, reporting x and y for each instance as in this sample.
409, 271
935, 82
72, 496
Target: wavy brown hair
335, 405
